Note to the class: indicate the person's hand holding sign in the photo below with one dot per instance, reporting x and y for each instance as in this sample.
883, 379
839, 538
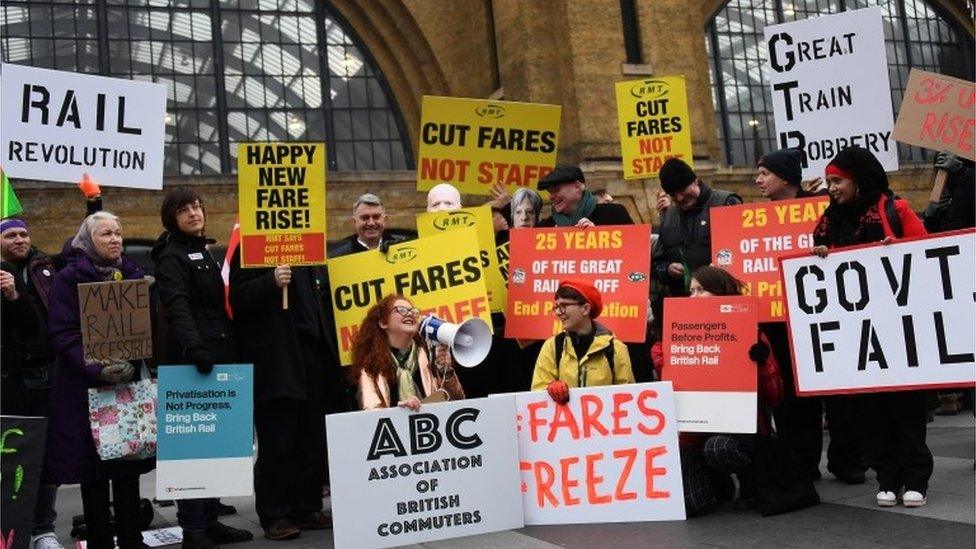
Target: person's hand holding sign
412, 404
662, 201
759, 353
676, 270
8, 286
282, 275
559, 391
584, 223
819, 251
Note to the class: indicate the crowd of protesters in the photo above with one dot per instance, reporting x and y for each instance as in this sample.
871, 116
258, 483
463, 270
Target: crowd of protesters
298, 377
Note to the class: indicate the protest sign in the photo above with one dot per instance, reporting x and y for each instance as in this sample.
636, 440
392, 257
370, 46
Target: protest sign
706, 345
829, 82
115, 320
22, 450
441, 274
57, 125
654, 125
447, 471
432, 223
884, 318
609, 455
476, 143
749, 239
281, 200
614, 258
205, 437
937, 113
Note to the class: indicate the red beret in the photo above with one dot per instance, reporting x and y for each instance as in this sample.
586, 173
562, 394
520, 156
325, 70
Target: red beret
589, 293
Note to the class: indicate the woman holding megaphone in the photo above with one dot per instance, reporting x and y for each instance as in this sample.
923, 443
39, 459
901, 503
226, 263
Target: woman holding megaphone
390, 361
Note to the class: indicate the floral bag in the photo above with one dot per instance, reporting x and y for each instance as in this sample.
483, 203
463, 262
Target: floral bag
123, 418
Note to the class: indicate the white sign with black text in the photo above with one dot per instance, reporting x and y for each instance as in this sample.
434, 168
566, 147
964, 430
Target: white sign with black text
884, 318
447, 471
829, 79
57, 125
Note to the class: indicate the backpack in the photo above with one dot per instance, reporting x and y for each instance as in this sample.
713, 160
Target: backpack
894, 222
607, 352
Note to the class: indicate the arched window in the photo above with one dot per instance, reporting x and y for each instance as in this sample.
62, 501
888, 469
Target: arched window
917, 34
236, 70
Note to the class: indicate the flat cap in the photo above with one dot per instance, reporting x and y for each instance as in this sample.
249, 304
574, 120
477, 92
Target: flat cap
562, 173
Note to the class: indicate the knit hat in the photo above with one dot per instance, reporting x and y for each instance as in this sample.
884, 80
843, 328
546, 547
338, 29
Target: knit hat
590, 294
562, 173
785, 163
676, 175
12, 223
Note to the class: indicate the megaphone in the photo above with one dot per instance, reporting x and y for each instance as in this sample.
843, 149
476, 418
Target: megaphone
469, 340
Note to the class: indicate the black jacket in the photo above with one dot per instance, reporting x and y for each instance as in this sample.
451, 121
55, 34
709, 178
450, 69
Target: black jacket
190, 296
603, 214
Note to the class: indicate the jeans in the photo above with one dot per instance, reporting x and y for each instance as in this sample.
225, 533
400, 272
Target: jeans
44, 510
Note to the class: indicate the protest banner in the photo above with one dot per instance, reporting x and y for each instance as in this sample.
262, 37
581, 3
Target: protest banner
57, 125
476, 143
654, 125
432, 223
829, 83
937, 113
205, 432
115, 320
609, 455
21, 458
616, 259
447, 471
749, 239
884, 318
441, 274
706, 345
281, 201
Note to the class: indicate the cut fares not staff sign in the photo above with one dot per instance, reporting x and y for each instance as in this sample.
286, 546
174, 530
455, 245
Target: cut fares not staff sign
884, 318
441, 274
475, 143
654, 125
609, 455
615, 259
281, 199
447, 471
749, 239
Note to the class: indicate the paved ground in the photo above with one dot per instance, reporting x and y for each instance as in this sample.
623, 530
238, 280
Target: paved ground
847, 518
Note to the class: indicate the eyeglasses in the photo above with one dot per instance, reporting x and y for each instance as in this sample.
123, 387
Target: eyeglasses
404, 311
561, 307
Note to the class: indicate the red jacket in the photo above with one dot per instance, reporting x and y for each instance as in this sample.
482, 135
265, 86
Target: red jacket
910, 223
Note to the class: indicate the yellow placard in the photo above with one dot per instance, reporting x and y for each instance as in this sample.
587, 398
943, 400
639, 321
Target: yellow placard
475, 143
430, 224
281, 201
441, 274
654, 124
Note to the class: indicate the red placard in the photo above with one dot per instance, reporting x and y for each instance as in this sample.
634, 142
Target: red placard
749, 239
706, 343
616, 259
283, 249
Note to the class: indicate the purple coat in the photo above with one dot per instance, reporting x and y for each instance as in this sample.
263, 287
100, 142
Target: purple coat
70, 455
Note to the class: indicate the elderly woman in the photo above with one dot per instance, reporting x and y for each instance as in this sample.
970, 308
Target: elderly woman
95, 256
390, 362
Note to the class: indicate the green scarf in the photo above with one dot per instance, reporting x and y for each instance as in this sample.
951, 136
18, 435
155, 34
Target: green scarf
406, 362
586, 206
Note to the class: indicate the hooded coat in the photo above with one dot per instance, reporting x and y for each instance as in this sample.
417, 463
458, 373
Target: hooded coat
592, 370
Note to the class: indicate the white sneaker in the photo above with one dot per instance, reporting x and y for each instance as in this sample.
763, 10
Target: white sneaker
45, 541
912, 498
887, 499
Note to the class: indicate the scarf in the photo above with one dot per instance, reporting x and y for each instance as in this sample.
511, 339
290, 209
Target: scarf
584, 209
107, 270
406, 362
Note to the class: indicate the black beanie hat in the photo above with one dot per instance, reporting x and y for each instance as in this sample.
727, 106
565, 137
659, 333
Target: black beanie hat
785, 163
676, 175
562, 173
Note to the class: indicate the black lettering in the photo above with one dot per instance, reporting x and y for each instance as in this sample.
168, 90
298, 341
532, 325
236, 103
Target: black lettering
862, 278
801, 293
945, 357
870, 336
454, 435
818, 347
385, 441
943, 254
424, 437
899, 289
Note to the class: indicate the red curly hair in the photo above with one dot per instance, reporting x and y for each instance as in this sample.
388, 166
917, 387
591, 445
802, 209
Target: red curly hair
371, 348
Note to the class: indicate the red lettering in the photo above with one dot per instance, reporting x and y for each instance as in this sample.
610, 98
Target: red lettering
563, 418
619, 399
564, 465
593, 480
535, 422
650, 472
348, 335
544, 486
630, 455
927, 127
592, 407
648, 411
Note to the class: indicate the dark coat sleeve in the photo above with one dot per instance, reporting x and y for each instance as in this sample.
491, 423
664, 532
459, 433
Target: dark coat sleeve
252, 290
20, 316
962, 211
64, 324
173, 287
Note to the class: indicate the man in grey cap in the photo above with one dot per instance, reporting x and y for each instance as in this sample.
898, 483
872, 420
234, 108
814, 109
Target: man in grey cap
369, 218
573, 205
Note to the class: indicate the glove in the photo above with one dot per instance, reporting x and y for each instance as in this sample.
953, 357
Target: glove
117, 372
89, 187
203, 361
559, 391
759, 353
945, 160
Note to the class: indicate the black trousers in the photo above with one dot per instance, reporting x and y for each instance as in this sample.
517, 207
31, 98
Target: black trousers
893, 431
844, 453
125, 499
292, 466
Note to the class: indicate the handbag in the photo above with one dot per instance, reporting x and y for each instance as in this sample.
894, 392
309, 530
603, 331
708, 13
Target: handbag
123, 418
780, 484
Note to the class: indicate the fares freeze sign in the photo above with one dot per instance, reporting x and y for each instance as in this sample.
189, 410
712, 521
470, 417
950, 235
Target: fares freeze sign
829, 78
